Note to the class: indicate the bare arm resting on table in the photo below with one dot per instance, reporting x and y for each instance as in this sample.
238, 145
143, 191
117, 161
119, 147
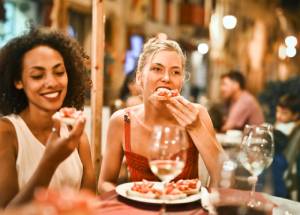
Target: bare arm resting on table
237, 118
196, 120
56, 151
113, 155
88, 177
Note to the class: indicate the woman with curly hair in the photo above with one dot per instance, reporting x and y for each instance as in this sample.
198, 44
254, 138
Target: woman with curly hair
41, 72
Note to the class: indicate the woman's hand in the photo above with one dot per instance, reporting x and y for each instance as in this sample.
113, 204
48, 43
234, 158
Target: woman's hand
196, 120
185, 112
59, 148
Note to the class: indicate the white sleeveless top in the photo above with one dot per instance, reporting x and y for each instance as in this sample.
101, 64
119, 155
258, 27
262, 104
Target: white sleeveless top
30, 152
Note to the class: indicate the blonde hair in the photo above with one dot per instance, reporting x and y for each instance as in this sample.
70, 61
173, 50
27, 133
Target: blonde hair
156, 45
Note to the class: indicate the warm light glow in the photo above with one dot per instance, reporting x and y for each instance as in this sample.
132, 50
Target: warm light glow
290, 41
291, 51
229, 21
203, 48
282, 52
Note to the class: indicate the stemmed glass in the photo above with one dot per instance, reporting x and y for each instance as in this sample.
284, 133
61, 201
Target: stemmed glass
256, 154
167, 153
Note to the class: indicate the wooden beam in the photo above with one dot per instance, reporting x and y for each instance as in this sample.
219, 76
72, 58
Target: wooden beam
82, 6
97, 79
59, 15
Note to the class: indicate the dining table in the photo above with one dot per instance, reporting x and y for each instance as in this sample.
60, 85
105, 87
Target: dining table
221, 201
230, 138
230, 201
127, 206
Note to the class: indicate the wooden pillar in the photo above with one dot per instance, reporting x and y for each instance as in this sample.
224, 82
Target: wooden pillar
47, 9
256, 53
59, 15
97, 79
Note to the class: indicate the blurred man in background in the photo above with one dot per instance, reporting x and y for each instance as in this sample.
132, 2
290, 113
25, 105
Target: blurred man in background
242, 107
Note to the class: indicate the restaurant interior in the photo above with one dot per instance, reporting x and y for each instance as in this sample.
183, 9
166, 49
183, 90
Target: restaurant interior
259, 38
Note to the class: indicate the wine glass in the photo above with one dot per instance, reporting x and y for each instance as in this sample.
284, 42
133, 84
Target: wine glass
167, 154
256, 154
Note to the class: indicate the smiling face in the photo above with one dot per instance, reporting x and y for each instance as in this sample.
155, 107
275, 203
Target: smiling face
44, 78
162, 70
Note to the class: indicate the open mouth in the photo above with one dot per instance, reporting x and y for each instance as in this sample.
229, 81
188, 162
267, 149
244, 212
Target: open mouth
162, 88
166, 92
51, 95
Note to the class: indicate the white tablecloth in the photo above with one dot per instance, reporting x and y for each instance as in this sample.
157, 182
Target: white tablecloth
285, 206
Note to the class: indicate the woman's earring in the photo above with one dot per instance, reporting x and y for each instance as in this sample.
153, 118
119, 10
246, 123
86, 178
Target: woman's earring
187, 76
19, 85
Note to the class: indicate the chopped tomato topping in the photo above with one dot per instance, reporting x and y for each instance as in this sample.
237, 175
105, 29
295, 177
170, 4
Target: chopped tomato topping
67, 112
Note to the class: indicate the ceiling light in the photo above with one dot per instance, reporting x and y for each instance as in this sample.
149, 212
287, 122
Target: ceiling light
229, 21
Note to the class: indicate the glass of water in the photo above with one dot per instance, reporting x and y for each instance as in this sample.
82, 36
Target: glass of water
256, 154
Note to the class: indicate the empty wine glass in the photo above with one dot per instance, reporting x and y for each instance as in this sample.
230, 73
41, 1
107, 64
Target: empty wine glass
167, 155
256, 154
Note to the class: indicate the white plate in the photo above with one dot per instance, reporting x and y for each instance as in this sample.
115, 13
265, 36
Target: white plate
122, 191
228, 140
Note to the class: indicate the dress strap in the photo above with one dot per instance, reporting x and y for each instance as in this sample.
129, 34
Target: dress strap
127, 130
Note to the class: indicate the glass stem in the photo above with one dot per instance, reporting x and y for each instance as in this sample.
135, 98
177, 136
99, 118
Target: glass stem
252, 180
252, 199
253, 202
163, 210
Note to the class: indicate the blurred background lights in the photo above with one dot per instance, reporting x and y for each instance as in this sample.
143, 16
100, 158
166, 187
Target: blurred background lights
229, 21
282, 52
291, 51
203, 48
290, 41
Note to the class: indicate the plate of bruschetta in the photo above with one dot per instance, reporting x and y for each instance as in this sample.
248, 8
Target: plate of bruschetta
180, 192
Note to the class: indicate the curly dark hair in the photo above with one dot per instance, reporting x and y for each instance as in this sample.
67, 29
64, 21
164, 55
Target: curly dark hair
13, 100
291, 102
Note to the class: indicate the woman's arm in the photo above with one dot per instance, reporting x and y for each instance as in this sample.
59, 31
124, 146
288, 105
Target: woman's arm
196, 120
8, 154
88, 177
57, 150
9, 188
113, 154
207, 145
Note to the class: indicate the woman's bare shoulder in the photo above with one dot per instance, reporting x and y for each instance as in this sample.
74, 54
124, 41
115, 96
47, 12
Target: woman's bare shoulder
8, 136
116, 120
6, 127
135, 109
118, 116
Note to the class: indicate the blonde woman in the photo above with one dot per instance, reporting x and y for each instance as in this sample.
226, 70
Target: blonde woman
161, 66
